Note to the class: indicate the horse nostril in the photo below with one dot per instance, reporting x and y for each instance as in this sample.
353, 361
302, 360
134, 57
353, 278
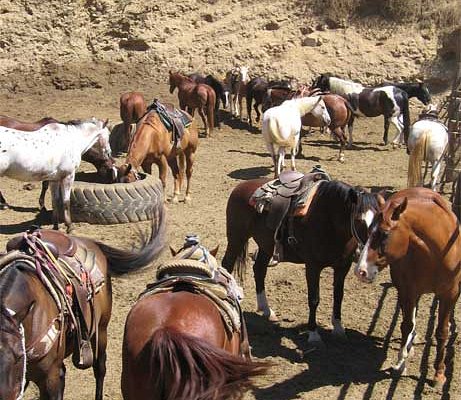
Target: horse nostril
362, 273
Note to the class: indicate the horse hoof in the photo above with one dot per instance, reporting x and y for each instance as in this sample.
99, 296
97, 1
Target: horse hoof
397, 370
187, 199
439, 380
175, 200
4, 206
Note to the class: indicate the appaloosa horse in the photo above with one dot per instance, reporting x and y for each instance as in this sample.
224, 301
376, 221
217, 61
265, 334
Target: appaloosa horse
132, 108
153, 143
221, 91
417, 234
56, 300
192, 95
326, 234
185, 338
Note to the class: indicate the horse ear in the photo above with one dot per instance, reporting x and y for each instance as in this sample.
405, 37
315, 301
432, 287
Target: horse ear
214, 251
380, 199
128, 168
173, 251
399, 209
353, 195
106, 122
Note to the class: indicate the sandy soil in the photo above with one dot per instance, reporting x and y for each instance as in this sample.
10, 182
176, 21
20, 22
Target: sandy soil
351, 370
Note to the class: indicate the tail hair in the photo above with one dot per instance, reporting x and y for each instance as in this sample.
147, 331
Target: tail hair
415, 161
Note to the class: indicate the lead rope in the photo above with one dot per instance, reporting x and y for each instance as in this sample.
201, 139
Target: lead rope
24, 356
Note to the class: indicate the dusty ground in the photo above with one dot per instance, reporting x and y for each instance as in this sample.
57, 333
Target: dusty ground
355, 369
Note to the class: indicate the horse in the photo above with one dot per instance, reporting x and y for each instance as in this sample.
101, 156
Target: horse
428, 141
52, 153
327, 235
221, 91
37, 331
153, 143
237, 78
193, 95
256, 89
389, 101
413, 89
417, 234
281, 126
132, 108
105, 167
179, 342
340, 113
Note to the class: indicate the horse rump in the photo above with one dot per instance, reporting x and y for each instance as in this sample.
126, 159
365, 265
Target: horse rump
197, 369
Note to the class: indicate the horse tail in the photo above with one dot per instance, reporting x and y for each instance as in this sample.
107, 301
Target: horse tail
124, 261
406, 119
210, 109
249, 100
415, 161
184, 367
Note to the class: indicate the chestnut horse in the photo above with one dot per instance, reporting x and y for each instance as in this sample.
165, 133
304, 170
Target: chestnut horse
193, 95
132, 108
418, 235
36, 330
177, 345
325, 236
153, 143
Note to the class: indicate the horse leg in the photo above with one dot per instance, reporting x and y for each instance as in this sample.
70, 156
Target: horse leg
51, 384
3, 203
313, 295
446, 307
190, 157
99, 364
260, 271
56, 203
41, 200
386, 130
205, 122
350, 128
162, 164
66, 185
436, 166
339, 133
173, 163
271, 150
408, 303
258, 113
340, 271
280, 161
249, 100
398, 139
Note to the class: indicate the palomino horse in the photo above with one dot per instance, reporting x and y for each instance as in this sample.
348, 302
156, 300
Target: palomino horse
105, 167
52, 153
418, 235
186, 338
428, 141
237, 78
221, 91
389, 101
39, 286
153, 143
281, 127
132, 108
193, 95
325, 236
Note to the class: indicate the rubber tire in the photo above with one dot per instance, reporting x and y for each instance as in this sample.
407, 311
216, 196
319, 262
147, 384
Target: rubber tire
116, 203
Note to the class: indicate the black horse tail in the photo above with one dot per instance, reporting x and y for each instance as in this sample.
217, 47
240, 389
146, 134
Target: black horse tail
185, 367
406, 118
124, 261
249, 100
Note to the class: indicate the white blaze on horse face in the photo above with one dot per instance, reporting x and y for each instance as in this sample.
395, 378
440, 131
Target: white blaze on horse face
244, 74
368, 217
365, 270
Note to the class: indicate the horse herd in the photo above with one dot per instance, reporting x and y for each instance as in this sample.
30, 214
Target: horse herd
178, 343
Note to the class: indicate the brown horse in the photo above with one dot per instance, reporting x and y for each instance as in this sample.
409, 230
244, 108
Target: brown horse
192, 95
132, 108
40, 308
340, 115
325, 236
418, 235
105, 167
179, 343
153, 143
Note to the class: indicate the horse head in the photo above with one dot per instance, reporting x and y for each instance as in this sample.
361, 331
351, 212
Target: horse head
423, 94
320, 110
172, 80
127, 174
103, 139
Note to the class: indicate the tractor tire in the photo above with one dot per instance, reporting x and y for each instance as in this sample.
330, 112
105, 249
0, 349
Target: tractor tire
116, 203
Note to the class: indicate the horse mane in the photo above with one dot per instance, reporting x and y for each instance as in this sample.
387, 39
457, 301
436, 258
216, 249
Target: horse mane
7, 283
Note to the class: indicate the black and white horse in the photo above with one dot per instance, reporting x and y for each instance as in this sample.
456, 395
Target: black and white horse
389, 101
222, 93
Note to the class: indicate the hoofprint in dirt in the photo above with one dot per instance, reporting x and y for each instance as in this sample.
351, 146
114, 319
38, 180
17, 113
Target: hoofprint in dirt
353, 369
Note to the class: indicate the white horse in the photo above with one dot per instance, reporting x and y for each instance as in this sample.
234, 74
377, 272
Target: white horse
52, 153
281, 126
427, 141
237, 79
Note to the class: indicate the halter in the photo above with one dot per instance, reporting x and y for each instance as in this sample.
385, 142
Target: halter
24, 355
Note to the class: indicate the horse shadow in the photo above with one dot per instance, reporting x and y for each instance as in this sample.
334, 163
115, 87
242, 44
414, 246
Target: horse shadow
359, 146
41, 218
237, 123
250, 173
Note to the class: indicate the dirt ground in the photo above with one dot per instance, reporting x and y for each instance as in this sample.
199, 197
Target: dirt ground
351, 370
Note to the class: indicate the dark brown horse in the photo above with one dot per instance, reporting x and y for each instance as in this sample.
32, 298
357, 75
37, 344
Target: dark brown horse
177, 344
36, 304
132, 108
324, 236
193, 95
153, 143
418, 235
105, 167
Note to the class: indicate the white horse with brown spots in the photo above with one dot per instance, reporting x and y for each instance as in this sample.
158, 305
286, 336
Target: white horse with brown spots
52, 153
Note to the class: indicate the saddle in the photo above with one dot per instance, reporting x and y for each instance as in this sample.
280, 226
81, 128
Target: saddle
69, 272
174, 119
286, 198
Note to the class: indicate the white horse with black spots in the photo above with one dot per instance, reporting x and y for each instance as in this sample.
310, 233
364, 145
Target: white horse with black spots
52, 153
281, 127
